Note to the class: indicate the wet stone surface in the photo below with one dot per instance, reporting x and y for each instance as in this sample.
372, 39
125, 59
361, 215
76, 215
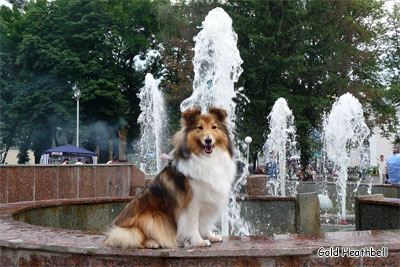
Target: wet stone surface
265, 218
42, 245
376, 212
94, 217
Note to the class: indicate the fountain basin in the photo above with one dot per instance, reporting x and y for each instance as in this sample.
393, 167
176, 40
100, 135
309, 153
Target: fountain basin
257, 185
282, 215
25, 244
377, 212
389, 191
94, 215
266, 215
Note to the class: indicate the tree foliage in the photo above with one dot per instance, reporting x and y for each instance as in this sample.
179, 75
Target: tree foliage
179, 23
309, 52
50, 46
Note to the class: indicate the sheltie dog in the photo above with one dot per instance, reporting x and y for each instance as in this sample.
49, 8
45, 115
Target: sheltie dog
181, 205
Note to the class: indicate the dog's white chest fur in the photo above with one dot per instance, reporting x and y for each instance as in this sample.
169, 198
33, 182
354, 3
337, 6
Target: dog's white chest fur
211, 175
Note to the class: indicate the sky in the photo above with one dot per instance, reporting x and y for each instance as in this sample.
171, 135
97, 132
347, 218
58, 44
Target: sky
4, 2
388, 3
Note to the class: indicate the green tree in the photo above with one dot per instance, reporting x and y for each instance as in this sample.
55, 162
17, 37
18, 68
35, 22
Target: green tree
134, 30
52, 45
179, 23
308, 52
38, 94
392, 63
11, 104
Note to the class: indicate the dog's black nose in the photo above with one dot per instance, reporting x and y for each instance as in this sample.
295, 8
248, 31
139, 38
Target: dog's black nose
208, 141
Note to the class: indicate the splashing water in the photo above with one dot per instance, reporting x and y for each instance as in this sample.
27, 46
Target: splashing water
357, 185
152, 121
369, 190
217, 67
323, 185
281, 141
344, 128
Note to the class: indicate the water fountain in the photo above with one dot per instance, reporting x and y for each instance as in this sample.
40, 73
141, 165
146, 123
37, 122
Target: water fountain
152, 121
91, 194
281, 141
217, 67
344, 128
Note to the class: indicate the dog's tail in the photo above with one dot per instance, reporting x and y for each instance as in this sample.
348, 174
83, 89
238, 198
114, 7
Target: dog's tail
125, 237
152, 231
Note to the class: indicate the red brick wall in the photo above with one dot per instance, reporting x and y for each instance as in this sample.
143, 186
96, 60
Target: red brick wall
42, 182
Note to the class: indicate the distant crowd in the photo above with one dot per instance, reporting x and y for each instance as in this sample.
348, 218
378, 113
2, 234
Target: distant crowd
388, 170
78, 162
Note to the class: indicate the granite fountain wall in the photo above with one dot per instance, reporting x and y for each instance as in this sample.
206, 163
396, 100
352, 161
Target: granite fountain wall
375, 212
23, 244
20, 183
257, 186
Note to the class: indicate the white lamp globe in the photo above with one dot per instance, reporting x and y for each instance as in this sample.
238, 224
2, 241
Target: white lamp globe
248, 140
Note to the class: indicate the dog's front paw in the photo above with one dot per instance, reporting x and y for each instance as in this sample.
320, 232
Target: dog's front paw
215, 238
150, 243
202, 243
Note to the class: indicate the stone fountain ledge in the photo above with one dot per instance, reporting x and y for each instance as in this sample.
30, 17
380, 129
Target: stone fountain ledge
24, 244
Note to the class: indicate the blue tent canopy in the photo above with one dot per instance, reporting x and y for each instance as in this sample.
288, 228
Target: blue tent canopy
70, 149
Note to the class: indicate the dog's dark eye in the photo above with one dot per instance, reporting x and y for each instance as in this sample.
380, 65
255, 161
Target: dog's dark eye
214, 127
200, 127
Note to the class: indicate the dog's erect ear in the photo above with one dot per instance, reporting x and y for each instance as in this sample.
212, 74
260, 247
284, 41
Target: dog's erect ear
219, 113
190, 115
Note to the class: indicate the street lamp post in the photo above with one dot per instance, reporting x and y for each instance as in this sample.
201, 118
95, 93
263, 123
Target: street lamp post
77, 95
248, 140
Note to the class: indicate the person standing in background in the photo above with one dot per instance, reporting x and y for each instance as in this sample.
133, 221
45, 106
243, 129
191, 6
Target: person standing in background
393, 165
363, 169
381, 169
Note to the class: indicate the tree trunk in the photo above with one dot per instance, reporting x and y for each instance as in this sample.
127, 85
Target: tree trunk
9, 141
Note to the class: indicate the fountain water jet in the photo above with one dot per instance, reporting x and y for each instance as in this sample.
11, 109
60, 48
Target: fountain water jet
152, 121
217, 67
281, 140
344, 128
